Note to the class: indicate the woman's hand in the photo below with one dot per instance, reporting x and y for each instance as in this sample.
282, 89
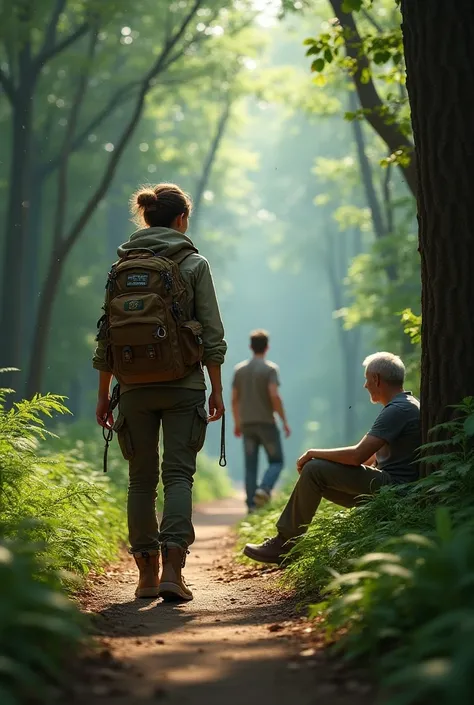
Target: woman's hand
103, 416
216, 406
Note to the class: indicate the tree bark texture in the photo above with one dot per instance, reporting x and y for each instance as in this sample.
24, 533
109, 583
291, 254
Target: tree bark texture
439, 53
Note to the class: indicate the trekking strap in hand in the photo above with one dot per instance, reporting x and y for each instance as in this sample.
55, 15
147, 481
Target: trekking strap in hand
108, 432
223, 459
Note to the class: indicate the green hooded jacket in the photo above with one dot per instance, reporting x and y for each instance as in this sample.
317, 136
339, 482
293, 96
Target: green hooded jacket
202, 297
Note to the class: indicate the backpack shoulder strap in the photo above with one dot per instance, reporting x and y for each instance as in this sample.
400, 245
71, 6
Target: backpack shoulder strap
180, 256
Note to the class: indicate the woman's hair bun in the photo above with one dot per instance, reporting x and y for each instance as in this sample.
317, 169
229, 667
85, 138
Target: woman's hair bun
146, 198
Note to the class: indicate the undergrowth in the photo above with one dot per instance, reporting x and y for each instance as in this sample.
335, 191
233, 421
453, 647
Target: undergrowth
402, 564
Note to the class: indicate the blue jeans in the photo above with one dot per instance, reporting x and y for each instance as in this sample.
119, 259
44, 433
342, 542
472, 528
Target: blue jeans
268, 436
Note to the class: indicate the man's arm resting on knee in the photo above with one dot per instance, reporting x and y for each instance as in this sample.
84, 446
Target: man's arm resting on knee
360, 454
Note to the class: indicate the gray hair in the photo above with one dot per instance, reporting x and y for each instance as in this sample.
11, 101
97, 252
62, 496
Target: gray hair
389, 366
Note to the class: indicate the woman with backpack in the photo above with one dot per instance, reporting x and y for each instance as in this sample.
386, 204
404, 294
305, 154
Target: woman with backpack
161, 326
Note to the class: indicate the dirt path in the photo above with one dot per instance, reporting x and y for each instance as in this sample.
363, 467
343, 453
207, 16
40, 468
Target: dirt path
220, 649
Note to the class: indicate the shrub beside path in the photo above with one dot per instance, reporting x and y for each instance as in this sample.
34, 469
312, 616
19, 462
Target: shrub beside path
234, 643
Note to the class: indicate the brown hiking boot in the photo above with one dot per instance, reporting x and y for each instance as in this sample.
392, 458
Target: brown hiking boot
172, 584
271, 550
148, 563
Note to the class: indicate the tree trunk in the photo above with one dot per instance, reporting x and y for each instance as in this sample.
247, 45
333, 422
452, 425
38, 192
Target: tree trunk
440, 58
209, 162
43, 323
16, 227
32, 265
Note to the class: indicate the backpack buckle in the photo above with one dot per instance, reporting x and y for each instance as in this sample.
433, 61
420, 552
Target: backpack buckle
127, 354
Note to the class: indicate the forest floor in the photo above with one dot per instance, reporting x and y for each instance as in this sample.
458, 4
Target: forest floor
241, 640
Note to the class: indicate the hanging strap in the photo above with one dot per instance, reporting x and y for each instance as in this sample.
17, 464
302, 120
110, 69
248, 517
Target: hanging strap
107, 432
223, 459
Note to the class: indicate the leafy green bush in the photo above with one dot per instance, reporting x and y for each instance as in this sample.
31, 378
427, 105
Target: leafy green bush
38, 626
56, 514
59, 502
410, 607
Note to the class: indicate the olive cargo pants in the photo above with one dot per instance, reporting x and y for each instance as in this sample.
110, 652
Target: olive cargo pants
341, 484
181, 415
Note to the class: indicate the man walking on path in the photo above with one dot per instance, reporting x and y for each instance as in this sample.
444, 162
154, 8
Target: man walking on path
255, 400
386, 455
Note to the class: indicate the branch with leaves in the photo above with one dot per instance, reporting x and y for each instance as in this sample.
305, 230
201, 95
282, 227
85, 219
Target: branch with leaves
355, 54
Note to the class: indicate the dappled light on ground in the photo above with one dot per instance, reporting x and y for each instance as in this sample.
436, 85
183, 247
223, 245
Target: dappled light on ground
233, 641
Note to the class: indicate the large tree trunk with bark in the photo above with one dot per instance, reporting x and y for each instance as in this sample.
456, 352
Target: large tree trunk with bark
439, 49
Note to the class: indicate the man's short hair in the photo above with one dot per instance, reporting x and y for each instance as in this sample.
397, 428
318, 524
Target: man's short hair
259, 341
389, 366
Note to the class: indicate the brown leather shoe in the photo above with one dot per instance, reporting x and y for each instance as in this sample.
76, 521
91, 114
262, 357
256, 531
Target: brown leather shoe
148, 563
271, 550
173, 587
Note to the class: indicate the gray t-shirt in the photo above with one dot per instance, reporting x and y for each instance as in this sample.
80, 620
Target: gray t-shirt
251, 380
398, 424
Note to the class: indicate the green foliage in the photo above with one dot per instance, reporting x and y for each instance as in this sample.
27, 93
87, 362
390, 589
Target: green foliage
60, 502
38, 627
378, 53
412, 325
49, 518
411, 607
384, 284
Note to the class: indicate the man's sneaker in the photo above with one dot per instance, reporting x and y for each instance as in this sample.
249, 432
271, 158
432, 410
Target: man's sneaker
148, 564
261, 497
271, 550
173, 586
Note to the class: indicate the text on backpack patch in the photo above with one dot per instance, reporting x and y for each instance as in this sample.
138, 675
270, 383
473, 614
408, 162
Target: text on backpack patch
137, 279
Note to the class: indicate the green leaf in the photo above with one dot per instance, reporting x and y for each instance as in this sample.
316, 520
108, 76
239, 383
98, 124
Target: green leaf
318, 65
381, 57
443, 524
328, 55
469, 425
351, 5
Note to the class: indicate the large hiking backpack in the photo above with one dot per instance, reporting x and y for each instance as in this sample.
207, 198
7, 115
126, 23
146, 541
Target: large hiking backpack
150, 334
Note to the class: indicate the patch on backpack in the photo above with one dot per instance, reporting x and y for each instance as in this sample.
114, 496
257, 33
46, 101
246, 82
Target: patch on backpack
134, 305
137, 279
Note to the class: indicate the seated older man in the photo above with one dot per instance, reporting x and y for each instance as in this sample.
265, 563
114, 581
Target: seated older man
386, 455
